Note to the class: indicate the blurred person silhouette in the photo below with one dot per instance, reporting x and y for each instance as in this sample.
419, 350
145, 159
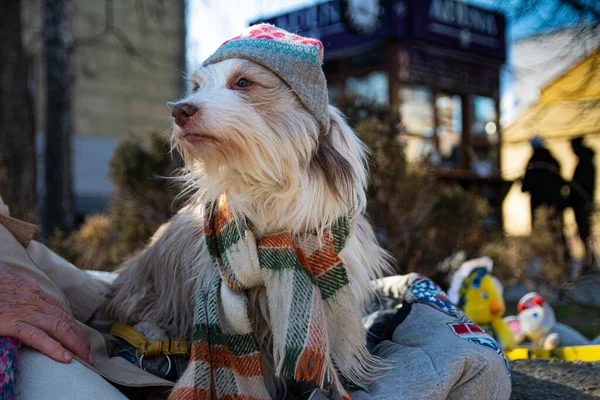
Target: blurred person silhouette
542, 179
544, 183
581, 198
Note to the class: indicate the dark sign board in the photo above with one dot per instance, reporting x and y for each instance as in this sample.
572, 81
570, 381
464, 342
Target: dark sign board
423, 67
451, 23
325, 22
459, 25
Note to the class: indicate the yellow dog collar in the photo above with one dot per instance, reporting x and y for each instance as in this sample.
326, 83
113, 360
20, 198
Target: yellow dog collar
150, 348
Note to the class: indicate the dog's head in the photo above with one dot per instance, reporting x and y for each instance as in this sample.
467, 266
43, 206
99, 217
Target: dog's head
246, 132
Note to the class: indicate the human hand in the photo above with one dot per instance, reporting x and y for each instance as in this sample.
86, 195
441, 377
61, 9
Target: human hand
38, 320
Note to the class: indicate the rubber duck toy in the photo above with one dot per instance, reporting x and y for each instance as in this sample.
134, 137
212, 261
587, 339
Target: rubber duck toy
479, 294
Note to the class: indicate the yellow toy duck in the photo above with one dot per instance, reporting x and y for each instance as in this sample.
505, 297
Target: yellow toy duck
479, 295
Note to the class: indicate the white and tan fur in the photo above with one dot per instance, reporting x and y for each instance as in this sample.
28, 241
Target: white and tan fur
262, 148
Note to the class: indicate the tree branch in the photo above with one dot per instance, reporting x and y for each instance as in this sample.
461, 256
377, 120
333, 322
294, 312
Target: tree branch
584, 8
111, 29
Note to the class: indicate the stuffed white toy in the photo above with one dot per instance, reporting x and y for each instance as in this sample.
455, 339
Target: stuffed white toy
537, 322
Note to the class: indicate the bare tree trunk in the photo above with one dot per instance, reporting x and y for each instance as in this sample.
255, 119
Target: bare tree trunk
17, 122
58, 43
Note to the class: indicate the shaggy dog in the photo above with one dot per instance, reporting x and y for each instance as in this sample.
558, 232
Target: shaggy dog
242, 131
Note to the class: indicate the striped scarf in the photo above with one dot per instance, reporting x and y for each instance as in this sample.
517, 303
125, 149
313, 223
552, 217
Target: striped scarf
314, 317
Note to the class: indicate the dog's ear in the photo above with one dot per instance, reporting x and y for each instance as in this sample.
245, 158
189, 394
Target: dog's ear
336, 159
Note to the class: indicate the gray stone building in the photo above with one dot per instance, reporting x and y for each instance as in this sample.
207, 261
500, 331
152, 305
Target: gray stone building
129, 61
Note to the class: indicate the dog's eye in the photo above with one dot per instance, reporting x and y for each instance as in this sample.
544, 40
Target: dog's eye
243, 83
195, 88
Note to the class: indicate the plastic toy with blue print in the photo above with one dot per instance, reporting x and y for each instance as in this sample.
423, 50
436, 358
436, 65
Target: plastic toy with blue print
479, 294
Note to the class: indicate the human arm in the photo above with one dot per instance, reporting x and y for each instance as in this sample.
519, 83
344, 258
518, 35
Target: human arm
38, 320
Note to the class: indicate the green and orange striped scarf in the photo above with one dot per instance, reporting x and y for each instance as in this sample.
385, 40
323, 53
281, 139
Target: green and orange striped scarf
314, 317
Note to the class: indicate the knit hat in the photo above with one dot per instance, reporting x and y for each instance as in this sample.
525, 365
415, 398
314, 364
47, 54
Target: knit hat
295, 59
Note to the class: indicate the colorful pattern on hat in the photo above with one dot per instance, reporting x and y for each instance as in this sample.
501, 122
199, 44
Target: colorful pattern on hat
295, 59
281, 39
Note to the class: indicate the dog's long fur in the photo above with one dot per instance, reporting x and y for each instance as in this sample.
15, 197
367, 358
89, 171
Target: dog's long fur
262, 148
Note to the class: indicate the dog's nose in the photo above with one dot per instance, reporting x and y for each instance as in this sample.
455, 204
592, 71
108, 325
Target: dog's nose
182, 112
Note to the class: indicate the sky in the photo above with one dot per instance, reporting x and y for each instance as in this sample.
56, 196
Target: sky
211, 22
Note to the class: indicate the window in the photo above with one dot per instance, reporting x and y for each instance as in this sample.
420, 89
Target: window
484, 123
484, 160
449, 129
373, 86
335, 93
484, 135
371, 59
416, 113
332, 67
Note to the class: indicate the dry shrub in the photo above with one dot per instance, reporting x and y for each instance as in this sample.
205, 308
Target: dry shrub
418, 219
94, 244
143, 200
538, 260
429, 222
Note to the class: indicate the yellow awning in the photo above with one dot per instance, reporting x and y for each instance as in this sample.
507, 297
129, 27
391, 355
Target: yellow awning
569, 106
